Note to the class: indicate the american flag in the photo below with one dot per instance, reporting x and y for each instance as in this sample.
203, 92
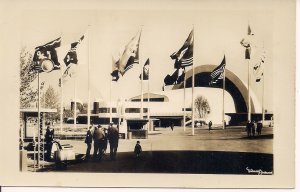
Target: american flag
218, 72
184, 56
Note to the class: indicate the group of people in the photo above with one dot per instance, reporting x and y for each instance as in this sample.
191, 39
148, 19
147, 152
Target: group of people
253, 128
101, 136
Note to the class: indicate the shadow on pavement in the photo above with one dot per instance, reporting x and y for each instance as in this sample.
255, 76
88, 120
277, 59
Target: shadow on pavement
193, 162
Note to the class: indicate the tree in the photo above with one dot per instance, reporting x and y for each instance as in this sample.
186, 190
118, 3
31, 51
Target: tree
202, 106
28, 95
50, 99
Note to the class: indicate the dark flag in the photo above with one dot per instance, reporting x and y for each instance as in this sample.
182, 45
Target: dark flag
71, 57
184, 56
45, 57
246, 42
145, 70
218, 72
176, 78
71, 61
115, 70
258, 68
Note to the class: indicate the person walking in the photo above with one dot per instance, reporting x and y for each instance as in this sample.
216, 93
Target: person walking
209, 125
113, 138
137, 149
253, 126
259, 128
88, 140
172, 125
248, 128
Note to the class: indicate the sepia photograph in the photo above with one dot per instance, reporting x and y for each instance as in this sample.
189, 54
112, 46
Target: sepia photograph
188, 89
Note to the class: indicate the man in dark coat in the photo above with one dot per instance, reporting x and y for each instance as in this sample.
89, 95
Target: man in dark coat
113, 138
88, 141
253, 127
49, 139
98, 137
248, 128
209, 125
259, 128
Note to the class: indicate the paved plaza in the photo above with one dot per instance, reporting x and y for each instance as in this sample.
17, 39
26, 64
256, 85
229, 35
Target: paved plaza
217, 151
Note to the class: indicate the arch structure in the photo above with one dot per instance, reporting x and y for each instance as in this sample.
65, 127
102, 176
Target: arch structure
234, 86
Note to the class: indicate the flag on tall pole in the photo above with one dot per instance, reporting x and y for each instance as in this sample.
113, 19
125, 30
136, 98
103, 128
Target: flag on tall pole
45, 60
183, 58
73, 57
248, 44
218, 73
129, 57
258, 71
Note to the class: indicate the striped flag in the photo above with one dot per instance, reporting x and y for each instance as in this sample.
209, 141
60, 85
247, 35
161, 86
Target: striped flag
258, 69
218, 72
184, 56
130, 55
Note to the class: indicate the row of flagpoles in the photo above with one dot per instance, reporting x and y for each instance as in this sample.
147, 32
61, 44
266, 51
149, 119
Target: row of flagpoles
46, 60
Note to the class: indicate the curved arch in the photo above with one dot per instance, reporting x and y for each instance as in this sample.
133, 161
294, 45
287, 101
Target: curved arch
234, 86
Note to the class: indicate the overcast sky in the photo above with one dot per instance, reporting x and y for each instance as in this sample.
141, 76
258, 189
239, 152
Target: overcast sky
163, 32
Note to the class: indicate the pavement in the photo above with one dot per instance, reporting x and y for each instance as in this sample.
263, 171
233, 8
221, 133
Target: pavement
218, 151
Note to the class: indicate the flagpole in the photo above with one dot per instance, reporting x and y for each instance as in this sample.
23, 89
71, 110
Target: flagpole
223, 111
39, 122
148, 110
110, 107
184, 113
75, 102
193, 103
249, 104
89, 91
61, 102
142, 77
262, 99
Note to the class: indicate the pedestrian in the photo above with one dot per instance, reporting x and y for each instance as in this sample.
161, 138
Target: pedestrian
98, 137
209, 125
253, 126
49, 142
113, 138
105, 140
88, 140
248, 128
259, 127
137, 149
172, 125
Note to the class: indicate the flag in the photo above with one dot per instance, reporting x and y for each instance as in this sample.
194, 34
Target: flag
258, 69
249, 30
130, 55
115, 71
176, 78
45, 57
218, 72
145, 70
71, 57
247, 43
71, 60
184, 56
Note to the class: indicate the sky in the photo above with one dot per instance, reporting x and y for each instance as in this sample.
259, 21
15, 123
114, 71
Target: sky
163, 32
